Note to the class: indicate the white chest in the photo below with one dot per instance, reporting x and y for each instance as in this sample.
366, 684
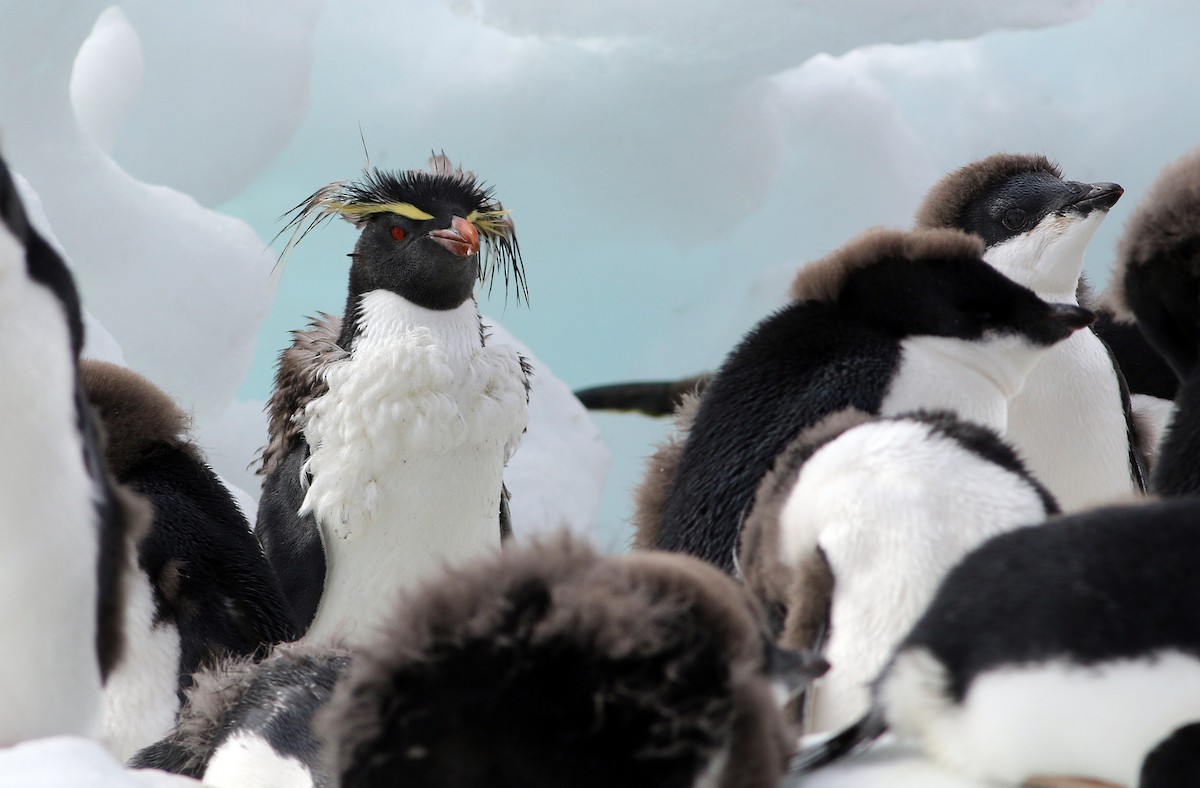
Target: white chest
1069, 425
49, 674
408, 451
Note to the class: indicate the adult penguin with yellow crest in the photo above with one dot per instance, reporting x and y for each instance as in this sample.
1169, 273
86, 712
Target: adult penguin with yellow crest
390, 426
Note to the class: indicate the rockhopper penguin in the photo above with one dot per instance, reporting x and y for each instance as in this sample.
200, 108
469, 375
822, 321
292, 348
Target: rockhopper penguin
201, 589
390, 428
66, 527
1071, 422
1073, 648
890, 323
856, 525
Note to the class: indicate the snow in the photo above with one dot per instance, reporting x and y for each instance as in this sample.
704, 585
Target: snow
668, 164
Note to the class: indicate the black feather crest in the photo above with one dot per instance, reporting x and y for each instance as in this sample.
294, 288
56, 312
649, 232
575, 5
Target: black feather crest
419, 194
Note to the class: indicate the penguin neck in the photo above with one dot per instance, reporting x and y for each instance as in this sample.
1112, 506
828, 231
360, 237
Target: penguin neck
975, 380
1049, 258
376, 317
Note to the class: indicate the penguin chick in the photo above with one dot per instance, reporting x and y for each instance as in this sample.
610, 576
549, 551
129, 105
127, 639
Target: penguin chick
853, 530
390, 428
1071, 421
890, 323
65, 528
247, 722
553, 665
1155, 284
1074, 648
202, 588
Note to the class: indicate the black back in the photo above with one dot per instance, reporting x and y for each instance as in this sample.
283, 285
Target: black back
1114, 583
291, 542
210, 577
814, 358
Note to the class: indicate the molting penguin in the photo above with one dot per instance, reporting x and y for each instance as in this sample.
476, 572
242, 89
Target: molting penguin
1071, 422
66, 528
556, 666
890, 323
202, 588
859, 521
1074, 648
390, 428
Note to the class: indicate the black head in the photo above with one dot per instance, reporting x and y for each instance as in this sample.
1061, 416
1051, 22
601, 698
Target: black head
935, 283
1157, 276
1175, 762
421, 233
1006, 195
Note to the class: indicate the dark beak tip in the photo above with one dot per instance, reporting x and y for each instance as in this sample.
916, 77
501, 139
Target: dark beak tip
1075, 317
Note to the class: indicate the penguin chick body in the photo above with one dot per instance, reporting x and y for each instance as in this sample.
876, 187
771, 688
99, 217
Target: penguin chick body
1074, 648
962, 338
201, 587
390, 428
1071, 421
553, 665
247, 722
850, 536
65, 528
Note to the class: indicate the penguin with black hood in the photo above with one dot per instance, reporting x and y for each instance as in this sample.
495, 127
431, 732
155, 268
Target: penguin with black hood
1073, 648
891, 322
390, 427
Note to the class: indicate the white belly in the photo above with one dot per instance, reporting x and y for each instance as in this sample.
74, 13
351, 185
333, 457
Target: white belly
408, 453
49, 671
1068, 424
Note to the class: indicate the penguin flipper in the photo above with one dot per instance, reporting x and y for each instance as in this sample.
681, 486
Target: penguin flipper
292, 542
506, 530
847, 741
1138, 470
652, 398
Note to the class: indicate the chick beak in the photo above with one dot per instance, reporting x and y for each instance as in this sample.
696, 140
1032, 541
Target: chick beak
460, 238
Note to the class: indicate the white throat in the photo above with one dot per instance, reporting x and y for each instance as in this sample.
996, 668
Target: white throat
973, 379
1049, 258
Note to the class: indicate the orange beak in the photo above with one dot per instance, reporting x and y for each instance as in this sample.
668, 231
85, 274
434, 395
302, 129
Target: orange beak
461, 237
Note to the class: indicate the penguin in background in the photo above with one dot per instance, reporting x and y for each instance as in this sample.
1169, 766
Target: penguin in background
1074, 649
66, 527
858, 522
390, 427
890, 323
1072, 421
201, 589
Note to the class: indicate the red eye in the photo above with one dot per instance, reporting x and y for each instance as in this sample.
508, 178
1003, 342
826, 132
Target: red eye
398, 233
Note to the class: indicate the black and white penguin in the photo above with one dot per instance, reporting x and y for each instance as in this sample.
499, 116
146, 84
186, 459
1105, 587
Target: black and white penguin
66, 528
554, 665
856, 525
248, 722
1071, 421
890, 323
390, 427
202, 589
1074, 648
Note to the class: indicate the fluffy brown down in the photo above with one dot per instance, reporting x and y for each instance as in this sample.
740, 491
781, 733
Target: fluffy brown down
823, 279
1162, 227
650, 497
135, 413
799, 595
947, 199
619, 606
299, 379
